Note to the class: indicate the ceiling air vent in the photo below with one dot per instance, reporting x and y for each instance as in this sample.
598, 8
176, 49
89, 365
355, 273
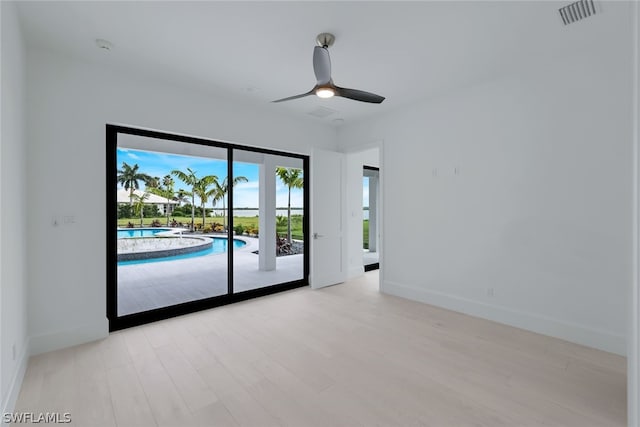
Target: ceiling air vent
322, 112
577, 11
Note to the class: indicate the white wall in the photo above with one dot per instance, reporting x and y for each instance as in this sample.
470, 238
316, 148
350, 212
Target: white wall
13, 277
355, 161
69, 103
633, 336
540, 211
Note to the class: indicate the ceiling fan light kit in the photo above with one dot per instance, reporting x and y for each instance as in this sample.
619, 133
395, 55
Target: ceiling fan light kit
325, 92
325, 88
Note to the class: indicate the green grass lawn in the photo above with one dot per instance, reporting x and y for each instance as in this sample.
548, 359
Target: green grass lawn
249, 223
365, 234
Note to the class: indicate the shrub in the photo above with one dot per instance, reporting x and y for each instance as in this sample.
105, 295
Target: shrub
151, 210
124, 211
180, 212
239, 229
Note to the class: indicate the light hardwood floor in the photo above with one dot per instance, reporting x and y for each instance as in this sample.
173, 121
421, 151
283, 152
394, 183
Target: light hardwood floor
342, 356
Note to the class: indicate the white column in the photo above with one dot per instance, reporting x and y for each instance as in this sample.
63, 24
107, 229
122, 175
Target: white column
373, 213
267, 215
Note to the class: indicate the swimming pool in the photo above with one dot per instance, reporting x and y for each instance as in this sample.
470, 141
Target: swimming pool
219, 246
139, 232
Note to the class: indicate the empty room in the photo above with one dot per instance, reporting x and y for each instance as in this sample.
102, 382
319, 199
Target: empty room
301, 213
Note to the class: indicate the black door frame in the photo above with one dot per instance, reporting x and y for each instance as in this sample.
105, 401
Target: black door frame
120, 322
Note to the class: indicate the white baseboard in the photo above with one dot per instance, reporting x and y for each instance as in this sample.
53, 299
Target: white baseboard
70, 337
579, 334
9, 401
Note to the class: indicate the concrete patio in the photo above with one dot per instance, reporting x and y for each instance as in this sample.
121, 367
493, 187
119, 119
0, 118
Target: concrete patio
143, 287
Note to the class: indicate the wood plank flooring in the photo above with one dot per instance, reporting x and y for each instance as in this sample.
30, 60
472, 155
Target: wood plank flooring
341, 356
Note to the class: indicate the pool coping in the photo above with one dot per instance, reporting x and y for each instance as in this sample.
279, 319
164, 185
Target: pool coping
250, 244
206, 243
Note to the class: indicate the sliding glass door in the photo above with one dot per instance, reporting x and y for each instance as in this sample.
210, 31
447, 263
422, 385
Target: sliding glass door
268, 197
194, 223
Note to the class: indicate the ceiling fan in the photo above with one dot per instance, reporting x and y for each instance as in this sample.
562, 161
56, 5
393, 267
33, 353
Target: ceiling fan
325, 88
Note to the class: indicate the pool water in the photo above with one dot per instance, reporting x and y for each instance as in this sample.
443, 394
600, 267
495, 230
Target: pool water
219, 246
140, 232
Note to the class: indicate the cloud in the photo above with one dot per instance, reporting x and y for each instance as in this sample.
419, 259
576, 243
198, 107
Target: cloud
251, 185
246, 199
133, 156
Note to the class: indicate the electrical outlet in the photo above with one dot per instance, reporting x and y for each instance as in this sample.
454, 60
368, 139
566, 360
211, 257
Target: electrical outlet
13, 352
490, 292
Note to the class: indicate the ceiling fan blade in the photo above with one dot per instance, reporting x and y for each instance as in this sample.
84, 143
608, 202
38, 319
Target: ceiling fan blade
359, 95
302, 95
322, 65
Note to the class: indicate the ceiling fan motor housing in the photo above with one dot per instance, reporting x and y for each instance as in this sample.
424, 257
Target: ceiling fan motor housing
325, 39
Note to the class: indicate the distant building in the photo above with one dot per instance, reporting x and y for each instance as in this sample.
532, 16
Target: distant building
160, 202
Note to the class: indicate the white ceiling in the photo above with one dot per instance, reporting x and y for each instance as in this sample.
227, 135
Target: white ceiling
261, 51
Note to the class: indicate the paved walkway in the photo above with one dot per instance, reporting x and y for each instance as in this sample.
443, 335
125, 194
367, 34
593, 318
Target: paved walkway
152, 285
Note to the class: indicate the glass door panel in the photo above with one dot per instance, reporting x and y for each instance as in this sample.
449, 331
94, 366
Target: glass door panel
268, 207
171, 244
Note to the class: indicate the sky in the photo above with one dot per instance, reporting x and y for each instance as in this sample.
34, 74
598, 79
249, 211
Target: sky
245, 194
365, 191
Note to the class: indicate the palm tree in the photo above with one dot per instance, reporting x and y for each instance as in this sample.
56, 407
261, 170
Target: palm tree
220, 193
167, 181
190, 179
164, 190
129, 176
197, 186
139, 206
153, 182
292, 178
181, 197
201, 189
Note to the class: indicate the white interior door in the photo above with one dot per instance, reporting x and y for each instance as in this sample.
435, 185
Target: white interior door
327, 219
